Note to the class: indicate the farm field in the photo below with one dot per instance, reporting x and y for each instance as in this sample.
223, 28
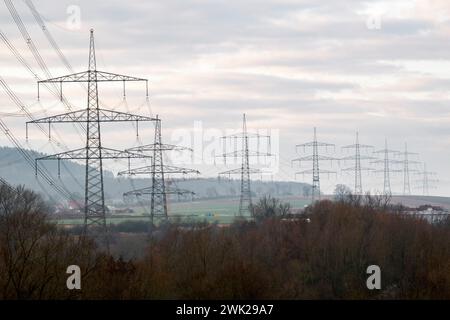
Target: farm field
222, 210
217, 210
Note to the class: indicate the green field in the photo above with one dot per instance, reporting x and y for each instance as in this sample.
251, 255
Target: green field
222, 211
218, 210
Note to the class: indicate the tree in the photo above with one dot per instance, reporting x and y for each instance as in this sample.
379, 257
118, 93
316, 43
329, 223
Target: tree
270, 207
34, 253
341, 192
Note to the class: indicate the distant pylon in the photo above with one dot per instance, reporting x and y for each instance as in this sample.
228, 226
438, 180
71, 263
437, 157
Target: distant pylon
426, 180
158, 191
245, 200
406, 169
315, 158
358, 188
386, 169
316, 170
158, 205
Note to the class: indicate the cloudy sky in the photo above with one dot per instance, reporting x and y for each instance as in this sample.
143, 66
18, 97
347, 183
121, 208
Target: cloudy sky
378, 67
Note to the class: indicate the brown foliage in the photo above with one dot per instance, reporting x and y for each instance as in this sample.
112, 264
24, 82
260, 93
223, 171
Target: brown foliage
34, 254
323, 257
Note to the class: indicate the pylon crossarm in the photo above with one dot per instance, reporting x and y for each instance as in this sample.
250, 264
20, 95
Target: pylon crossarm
74, 77
108, 76
106, 153
403, 153
311, 158
391, 161
360, 168
240, 153
312, 143
82, 154
241, 135
361, 157
386, 151
84, 77
110, 115
93, 76
163, 147
149, 191
239, 171
82, 116
150, 170
352, 146
409, 162
426, 173
75, 116
390, 170
311, 171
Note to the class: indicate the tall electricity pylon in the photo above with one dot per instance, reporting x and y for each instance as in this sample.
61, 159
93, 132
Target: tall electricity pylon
358, 189
158, 191
386, 169
426, 180
406, 169
245, 200
93, 153
315, 158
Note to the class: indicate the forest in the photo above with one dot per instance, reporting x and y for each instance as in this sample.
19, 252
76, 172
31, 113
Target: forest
321, 254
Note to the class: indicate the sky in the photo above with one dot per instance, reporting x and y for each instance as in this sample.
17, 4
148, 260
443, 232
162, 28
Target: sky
381, 68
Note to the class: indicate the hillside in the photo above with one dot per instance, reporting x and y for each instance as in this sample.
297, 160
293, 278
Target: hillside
16, 171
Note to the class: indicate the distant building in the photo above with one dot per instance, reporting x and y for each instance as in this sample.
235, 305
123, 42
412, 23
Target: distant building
74, 205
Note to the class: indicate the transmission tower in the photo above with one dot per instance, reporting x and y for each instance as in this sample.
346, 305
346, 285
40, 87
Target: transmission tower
245, 200
315, 158
158, 191
406, 169
357, 169
93, 153
386, 169
426, 180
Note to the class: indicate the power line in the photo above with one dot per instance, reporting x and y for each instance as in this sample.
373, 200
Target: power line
386, 167
426, 180
406, 169
35, 52
357, 168
62, 190
93, 153
50, 38
315, 158
158, 191
245, 200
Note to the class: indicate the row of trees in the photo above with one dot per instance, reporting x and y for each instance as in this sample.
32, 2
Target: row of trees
321, 255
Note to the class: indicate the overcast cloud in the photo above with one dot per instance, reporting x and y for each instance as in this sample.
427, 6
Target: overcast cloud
379, 67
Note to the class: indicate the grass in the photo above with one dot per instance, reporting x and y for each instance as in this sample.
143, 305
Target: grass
221, 211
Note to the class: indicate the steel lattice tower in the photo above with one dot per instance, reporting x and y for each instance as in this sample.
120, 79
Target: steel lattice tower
316, 171
315, 158
386, 167
158, 204
426, 180
357, 169
93, 153
158, 191
245, 200
406, 169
